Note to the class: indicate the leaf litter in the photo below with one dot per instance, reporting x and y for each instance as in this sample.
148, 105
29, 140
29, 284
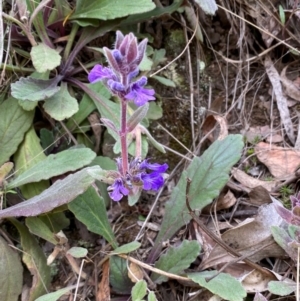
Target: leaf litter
241, 215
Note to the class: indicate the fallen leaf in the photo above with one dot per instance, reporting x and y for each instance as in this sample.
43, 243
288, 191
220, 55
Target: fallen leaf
249, 238
135, 273
250, 182
291, 87
280, 98
259, 196
103, 293
216, 127
281, 162
225, 201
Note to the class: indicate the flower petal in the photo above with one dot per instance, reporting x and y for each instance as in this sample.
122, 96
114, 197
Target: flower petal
154, 166
99, 73
117, 190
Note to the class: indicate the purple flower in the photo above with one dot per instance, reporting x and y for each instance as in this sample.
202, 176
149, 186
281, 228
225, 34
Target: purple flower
138, 93
152, 181
100, 73
117, 190
154, 166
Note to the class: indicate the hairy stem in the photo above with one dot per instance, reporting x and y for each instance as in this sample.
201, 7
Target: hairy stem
123, 136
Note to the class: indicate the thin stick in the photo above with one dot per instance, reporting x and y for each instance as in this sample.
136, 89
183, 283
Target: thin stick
191, 84
176, 58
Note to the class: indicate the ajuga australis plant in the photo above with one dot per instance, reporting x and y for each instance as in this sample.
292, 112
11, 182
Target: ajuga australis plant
121, 79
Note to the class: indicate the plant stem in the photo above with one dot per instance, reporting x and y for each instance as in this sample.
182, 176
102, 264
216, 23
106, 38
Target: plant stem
71, 38
123, 136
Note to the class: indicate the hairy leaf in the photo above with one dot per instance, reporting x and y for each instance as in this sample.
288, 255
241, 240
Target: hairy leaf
118, 275
32, 89
282, 288
37, 227
89, 208
223, 285
125, 249
61, 105
106, 10
29, 154
209, 174
44, 58
56, 295
139, 290
78, 252
60, 193
54, 165
35, 260
176, 259
11, 273
14, 123
208, 6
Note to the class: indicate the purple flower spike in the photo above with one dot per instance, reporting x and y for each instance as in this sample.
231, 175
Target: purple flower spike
117, 190
99, 73
152, 181
139, 94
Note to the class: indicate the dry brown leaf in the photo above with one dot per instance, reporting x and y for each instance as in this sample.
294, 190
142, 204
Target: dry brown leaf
255, 281
135, 273
291, 87
225, 201
281, 162
249, 238
280, 98
216, 126
249, 182
103, 293
259, 196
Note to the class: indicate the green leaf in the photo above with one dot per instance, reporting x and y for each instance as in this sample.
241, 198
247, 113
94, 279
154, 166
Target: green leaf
106, 10
223, 285
282, 288
44, 58
54, 165
208, 6
165, 81
60, 193
32, 89
118, 275
77, 252
86, 107
61, 105
155, 111
176, 259
130, 247
11, 273
281, 15
35, 260
151, 297
55, 295
37, 227
14, 123
139, 290
56, 221
209, 174
89, 208
29, 154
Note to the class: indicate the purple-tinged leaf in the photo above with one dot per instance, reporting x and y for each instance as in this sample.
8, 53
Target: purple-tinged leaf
60, 193
137, 117
54, 165
109, 124
111, 59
